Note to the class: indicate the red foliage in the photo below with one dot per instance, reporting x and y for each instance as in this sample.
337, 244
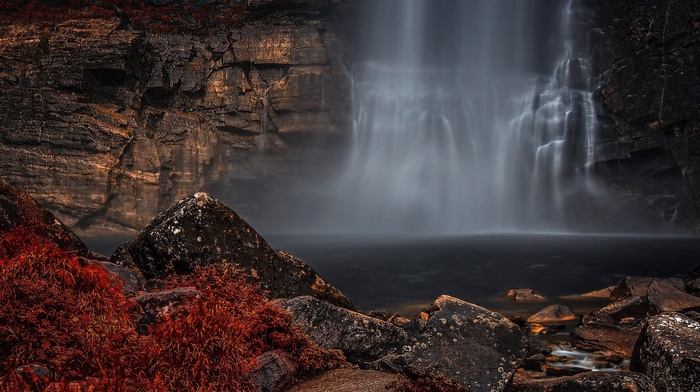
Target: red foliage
72, 318
58, 311
217, 341
183, 16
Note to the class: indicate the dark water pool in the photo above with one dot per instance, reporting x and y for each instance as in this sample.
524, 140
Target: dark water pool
405, 274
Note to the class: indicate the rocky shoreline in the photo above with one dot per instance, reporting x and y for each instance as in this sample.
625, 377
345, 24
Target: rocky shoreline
451, 345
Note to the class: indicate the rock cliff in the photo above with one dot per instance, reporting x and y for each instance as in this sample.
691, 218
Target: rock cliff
107, 124
646, 56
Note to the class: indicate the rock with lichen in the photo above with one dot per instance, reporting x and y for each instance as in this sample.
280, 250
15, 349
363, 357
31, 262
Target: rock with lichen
668, 351
362, 338
478, 348
201, 231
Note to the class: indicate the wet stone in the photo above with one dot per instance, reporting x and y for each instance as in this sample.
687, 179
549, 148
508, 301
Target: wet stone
478, 348
668, 351
522, 295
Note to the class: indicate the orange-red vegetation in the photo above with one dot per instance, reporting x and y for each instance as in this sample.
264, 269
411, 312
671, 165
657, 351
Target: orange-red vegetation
71, 317
59, 312
180, 17
218, 338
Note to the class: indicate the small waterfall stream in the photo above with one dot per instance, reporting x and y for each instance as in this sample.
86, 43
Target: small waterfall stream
467, 117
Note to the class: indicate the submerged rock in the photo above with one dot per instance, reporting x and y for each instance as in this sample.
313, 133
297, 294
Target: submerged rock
478, 348
362, 339
201, 231
602, 293
589, 382
522, 295
553, 314
668, 351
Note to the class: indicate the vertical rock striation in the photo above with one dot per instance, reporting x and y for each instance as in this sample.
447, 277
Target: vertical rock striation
646, 55
107, 125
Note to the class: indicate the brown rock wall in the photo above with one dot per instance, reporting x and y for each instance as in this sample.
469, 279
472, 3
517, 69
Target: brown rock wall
107, 125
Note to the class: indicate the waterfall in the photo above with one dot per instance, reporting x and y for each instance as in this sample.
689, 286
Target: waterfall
468, 116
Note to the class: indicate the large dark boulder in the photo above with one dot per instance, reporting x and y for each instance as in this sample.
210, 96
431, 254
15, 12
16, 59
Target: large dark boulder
201, 231
362, 339
668, 351
589, 382
474, 346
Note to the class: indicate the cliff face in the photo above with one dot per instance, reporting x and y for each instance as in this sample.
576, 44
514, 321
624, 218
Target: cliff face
108, 125
646, 55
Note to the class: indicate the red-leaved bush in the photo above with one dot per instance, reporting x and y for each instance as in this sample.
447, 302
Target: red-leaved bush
71, 317
220, 335
60, 312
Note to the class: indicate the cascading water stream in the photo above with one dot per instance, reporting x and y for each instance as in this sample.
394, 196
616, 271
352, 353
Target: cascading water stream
457, 128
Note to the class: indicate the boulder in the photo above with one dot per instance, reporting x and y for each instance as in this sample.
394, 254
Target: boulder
668, 351
589, 382
350, 380
632, 307
693, 286
157, 306
599, 334
631, 285
552, 314
201, 231
362, 339
695, 273
273, 372
478, 348
19, 209
522, 295
668, 298
602, 293
34, 374
132, 279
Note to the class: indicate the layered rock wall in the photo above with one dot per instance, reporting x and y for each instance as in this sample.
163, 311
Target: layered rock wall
107, 125
646, 56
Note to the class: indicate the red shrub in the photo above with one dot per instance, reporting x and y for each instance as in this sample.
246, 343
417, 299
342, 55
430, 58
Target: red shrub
217, 341
71, 317
64, 314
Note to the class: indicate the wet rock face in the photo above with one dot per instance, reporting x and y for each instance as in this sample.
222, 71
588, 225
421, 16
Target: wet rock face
479, 348
645, 56
668, 351
200, 231
362, 339
107, 125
